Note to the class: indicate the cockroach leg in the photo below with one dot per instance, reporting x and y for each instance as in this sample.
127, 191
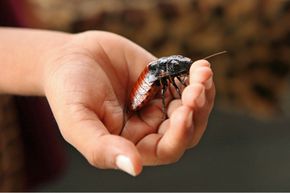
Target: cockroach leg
181, 81
163, 90
175, 86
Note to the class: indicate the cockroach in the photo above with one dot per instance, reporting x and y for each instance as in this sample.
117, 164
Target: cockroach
157, 76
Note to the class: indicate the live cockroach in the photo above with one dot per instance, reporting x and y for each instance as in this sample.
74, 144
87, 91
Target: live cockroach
157, 76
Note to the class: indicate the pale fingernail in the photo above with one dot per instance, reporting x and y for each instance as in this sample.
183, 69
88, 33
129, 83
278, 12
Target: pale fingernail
124, 163
200, 101
208, 83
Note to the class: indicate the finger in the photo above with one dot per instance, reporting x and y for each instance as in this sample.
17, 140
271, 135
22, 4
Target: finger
164, 126
102, 150
201, 117
199, 63
146, 121
168, 148
201, 73
200, 96
147, 148
193, 95
200, 83
173, 105
176, 139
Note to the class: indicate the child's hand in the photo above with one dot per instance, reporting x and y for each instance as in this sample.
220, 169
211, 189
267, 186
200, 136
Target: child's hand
87, 78
87, 87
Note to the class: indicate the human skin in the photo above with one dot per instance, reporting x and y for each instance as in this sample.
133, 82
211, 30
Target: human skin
87, 78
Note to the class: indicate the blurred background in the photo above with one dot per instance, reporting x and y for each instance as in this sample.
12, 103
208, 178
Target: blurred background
247, 144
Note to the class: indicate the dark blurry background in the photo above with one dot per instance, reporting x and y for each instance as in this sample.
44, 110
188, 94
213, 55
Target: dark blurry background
247, 144
252, 78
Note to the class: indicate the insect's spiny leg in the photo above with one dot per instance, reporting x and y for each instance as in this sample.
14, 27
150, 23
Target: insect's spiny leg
163, 90
181, 81
175, 86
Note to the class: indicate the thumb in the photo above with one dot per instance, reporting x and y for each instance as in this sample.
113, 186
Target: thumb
102, 149
111, 151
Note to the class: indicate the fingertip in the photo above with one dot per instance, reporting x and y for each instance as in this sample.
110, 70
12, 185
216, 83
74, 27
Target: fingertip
127, 165
127, 158
199, 63
200, 74
202, 62
137, 162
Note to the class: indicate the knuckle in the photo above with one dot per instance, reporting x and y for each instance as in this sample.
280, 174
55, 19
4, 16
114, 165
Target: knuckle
95, 155
196, 87
170, 155
94, 159
90, 155
91, 159
173, 159
194, 142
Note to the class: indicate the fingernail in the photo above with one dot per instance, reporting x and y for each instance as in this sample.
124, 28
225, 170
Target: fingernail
208, 83
200, 101
124, 163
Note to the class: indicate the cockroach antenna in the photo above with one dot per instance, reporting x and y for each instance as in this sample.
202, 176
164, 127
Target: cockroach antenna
216, 54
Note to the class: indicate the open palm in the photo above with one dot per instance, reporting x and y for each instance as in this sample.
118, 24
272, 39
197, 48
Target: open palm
87, 84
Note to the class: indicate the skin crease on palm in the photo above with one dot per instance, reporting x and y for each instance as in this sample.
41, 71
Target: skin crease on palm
87, 80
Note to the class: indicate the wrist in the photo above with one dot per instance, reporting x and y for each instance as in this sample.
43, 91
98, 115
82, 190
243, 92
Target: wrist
52, 60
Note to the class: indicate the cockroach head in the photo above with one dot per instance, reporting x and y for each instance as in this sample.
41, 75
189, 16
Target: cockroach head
171, 65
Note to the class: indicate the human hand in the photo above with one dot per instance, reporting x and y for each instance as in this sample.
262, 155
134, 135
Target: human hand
87, 82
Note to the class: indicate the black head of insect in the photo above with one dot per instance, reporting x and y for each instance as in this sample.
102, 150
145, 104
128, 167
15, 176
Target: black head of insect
170, 66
